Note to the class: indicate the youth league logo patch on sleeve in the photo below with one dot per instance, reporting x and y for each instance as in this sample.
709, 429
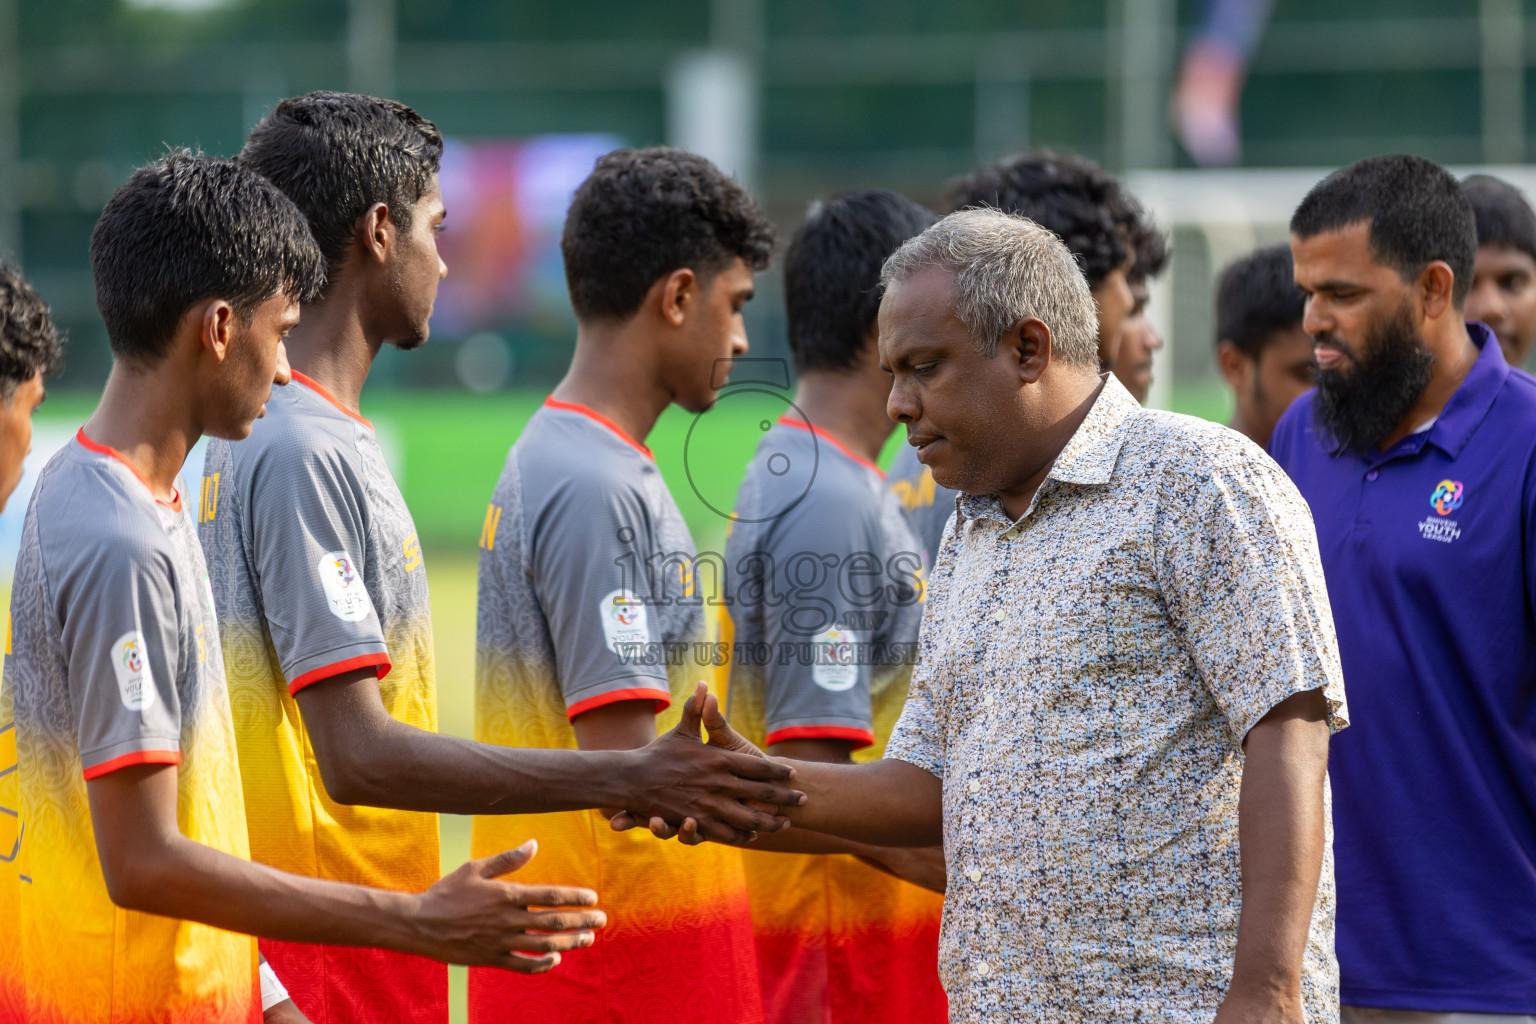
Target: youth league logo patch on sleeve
343, 586
836, 667
135, 684
624, 621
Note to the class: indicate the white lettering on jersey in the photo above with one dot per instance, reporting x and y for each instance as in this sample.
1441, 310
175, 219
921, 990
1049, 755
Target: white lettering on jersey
342, 582
623, 617
836, 665
130, 661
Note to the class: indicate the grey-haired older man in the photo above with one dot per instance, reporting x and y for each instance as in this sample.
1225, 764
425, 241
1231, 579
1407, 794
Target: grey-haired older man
1127, 675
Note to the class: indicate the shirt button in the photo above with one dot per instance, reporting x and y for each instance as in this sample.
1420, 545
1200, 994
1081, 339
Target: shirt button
975, 874
1011, 534
999, 615
982, 967
988, 700
975, 786
1372, 475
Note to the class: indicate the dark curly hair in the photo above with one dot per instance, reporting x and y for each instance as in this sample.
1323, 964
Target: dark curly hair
337, 153
29, 344
189, 228
1070, 195
832, 273
1148, 243
1256, 299
643, 213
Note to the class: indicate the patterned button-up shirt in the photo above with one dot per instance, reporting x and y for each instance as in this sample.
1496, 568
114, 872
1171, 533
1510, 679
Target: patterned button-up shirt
1085, 679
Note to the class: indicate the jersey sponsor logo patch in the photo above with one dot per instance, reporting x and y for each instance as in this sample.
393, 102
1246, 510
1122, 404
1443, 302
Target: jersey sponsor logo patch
624, 620
836, 667
135, 684
343, 586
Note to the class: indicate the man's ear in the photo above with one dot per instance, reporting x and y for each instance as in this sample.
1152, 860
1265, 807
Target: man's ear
1031, 344
679, 295
1233, 364
216, 325
1435, 284
374, 232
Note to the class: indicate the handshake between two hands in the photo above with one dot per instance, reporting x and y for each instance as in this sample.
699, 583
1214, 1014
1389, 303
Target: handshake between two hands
723, 789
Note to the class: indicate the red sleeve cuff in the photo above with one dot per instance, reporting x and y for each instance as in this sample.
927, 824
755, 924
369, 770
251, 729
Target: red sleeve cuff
314, 675
860, 737
96, 771
662, 698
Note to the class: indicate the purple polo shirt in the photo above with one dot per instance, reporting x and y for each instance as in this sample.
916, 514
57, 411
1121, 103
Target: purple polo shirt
1429, 549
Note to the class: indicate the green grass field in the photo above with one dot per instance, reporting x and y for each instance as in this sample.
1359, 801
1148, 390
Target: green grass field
452, 447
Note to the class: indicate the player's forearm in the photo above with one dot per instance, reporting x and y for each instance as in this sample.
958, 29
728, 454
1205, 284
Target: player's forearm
184, 879
1280, 833
882, 803
415, 770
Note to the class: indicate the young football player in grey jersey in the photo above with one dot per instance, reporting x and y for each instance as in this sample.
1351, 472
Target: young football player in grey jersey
319, 572
825, 584
589, 609
133, 872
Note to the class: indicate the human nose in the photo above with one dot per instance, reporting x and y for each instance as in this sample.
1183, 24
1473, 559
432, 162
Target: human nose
1314, 317
902, 406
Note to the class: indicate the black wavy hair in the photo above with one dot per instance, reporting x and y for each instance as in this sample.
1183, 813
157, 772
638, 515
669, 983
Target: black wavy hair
1148, 243
1417, 213
832, 272
1502, 215
1070, 195
29, 343
188, 228
643, 213
337, 153
1257, 296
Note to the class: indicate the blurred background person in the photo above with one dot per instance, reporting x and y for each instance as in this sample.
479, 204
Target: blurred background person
1503, 294
1264, 353
1139, 339
1208, 96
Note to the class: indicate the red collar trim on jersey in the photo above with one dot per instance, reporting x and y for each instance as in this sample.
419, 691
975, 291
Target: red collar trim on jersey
317, 389
100, 449
592, 414
834, 442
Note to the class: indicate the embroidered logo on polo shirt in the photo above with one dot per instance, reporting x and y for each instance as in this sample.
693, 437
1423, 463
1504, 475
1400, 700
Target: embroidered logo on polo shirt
1447, 498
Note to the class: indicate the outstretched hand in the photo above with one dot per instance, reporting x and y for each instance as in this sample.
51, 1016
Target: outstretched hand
725, 790
469, 917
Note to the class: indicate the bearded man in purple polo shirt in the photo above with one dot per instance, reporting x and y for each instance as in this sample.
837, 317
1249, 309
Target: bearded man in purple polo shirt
1417, 453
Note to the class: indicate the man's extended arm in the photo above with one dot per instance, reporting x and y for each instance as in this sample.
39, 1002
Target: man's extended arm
920, 865
882, 803
368, 757
467, 917
1280, 834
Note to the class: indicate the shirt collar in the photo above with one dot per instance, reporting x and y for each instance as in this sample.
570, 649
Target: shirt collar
1090, 454
1472, 400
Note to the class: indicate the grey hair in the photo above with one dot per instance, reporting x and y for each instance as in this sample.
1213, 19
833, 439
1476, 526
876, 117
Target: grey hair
1007, 268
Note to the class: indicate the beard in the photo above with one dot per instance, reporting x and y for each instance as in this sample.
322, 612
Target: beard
1359, 408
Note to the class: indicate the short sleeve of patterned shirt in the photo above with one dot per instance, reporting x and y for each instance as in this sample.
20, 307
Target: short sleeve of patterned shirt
1086, 676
